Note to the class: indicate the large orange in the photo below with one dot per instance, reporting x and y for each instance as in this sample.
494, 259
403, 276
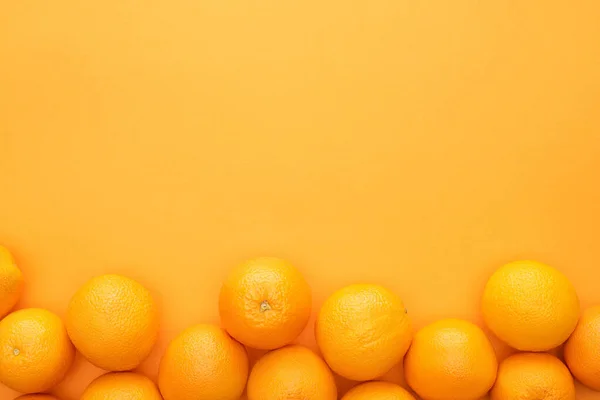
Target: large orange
36, 352
121, 386
11, 282
582, 350
530, 306
451, 359
533, 376
363, 331
113, 322
293, 372
265, 303
36, 397
378, 391
203, 363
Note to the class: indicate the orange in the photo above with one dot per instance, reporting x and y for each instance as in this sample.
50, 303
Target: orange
363, 331
36, 351
121, 386
203, 363
450, 359
113, 322
265, 303
11, 282
378, 391
293, 372
530, 306
582, 350
533, 376
36, 397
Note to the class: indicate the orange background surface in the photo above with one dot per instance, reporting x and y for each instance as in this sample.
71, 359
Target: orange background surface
418, 144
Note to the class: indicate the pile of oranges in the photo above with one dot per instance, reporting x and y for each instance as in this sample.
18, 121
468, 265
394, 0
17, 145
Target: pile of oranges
362, 331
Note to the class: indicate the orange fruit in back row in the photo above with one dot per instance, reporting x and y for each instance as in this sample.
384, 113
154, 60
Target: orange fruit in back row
293, 372
378, 391
582, 350
113, 322
450, 359
36, 352
121, 386
363, 331
36, 397
533, 376
265, 303
530, 306
11, 282
203, 363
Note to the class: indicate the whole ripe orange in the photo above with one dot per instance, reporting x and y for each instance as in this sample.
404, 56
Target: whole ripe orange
582, 350
36, 351
363, 331
11, 282
450, 359
292, 372
203, 363
121, 386
265, 303
36, 397
113, 322
530, 306
533, 376
378, 391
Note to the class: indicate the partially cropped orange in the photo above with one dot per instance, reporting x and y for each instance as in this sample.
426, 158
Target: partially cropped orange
113, 322
121, 386
293, 372
530, 306
451, 359
37, 397
36, 351
203, 363
363, 330
11, 282
378, 391
582, 350
265, 303
533, 376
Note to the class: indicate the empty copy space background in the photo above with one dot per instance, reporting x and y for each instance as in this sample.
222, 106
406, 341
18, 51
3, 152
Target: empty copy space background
418, 144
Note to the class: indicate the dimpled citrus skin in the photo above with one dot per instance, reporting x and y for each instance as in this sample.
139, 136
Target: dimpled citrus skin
113, 322
11, 282
530, 306
378, 391
37, 397
582, 350
265, 303
450, 359
293, 372
533, 376
121, 386
36, 352
363, 330
203, 363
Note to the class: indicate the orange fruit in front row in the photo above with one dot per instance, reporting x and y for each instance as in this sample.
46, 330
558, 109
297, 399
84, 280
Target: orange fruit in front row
293, 372
265, 303
36, 352
378, 391
450, 359
121, 386
582, 350
113, 322
533, 376
36, 397
11, 282
203, 363
363, 331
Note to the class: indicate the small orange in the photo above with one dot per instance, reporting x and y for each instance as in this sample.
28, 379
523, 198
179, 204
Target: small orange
121, 386
292, 372
36, 397
113, 322
363, 331
533, 376
530, 306
582, 350
36, 351
265, 303
203, 363
450, 359
11, 282
378, 391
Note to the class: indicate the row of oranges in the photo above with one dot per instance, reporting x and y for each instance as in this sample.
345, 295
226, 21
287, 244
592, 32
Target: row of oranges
362, 331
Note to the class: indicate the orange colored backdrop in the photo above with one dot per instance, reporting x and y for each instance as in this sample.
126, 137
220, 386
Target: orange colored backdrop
419, 144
